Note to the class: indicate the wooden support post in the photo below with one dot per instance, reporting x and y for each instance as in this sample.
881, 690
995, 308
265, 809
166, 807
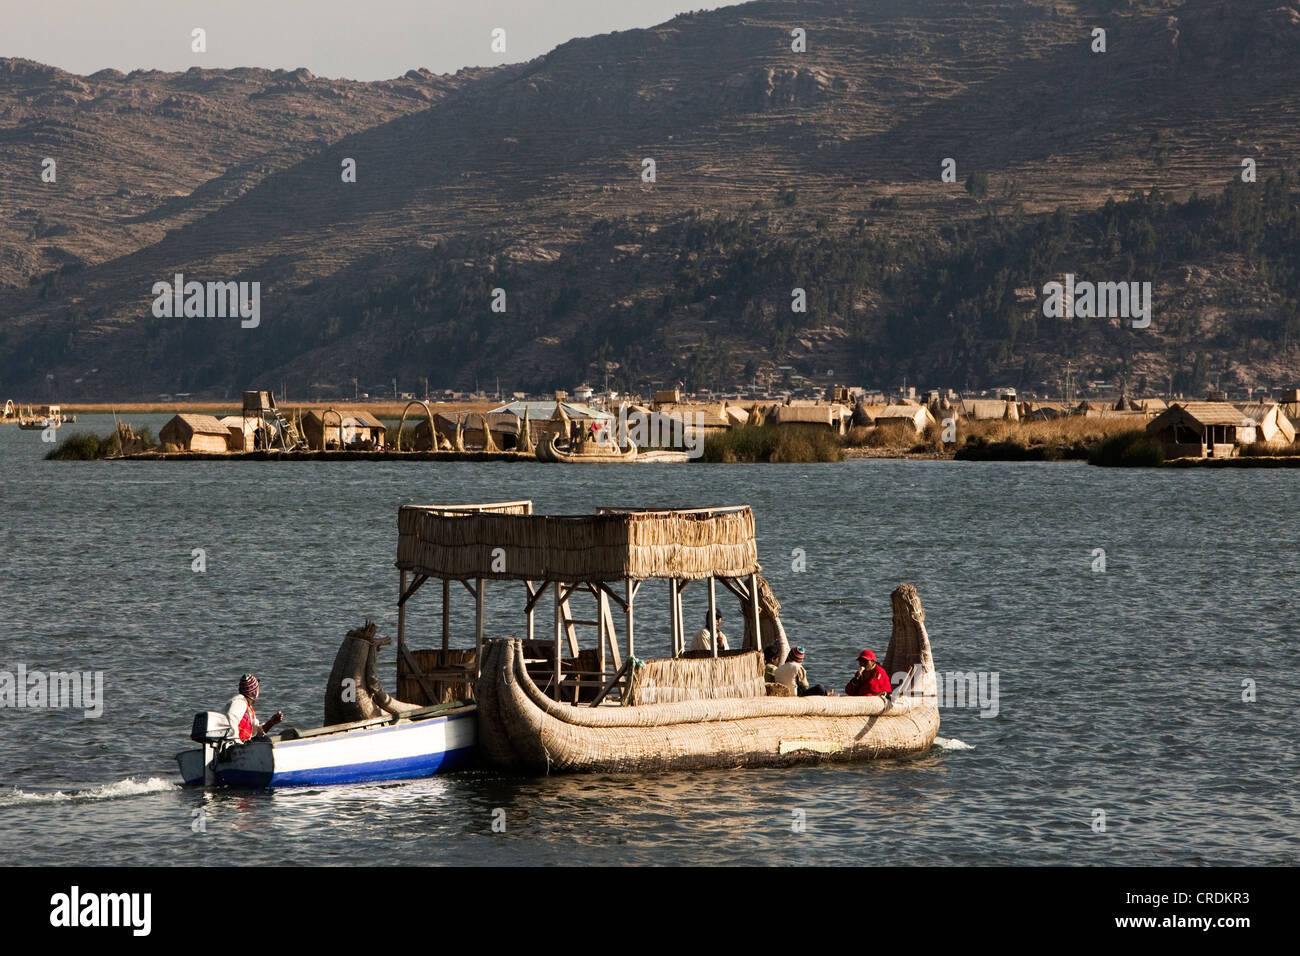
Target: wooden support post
559, 630
753, 611
631, 642
446, 622
713, 613
478, 629
607, 615
602, 612
528, 610
401, 616
672, 611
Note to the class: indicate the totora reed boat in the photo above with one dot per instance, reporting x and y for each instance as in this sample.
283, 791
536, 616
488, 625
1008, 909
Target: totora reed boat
548, 706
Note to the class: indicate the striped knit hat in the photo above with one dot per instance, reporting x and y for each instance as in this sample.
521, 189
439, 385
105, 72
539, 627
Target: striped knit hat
796, 654
248, 686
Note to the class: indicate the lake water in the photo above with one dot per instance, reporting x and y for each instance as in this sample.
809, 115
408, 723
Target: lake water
1120, 691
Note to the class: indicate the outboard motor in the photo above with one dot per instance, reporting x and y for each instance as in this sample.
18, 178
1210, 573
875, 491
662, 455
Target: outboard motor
212, 730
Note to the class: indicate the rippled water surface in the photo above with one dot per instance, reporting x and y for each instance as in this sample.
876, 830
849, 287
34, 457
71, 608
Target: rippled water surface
1120, 691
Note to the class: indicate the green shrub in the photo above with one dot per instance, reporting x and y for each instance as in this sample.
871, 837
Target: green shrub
1129, 449
82, 446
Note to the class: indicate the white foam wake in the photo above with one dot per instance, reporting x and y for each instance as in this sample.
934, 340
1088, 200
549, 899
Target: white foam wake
952, 743
109, 791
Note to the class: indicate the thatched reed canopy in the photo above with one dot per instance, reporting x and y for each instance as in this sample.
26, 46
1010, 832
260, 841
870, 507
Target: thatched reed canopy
467, 542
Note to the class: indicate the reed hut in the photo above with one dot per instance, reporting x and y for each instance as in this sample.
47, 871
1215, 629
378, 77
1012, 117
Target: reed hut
332, 429
1200, 430
909, 418
490, 431
1272, 426
245, 434
989, 410
189, 432
830, 417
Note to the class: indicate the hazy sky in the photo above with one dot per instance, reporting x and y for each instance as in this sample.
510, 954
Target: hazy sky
358, 39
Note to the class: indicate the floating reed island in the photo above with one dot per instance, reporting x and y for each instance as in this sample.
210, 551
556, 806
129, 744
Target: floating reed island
549, 705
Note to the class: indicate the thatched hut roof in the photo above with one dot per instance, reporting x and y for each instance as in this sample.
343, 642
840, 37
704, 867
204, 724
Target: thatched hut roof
611, 545
1272, 421
807, 415
196, 424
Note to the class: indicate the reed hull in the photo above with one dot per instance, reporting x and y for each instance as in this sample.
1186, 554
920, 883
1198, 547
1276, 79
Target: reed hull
551, 452
401, 751
522, 730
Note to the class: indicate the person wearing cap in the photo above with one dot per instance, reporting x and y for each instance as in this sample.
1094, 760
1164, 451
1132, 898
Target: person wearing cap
870, 678
794, 677
242, 717
704, 639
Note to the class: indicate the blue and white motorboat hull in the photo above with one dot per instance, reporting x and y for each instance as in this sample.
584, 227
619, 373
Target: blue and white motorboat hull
416, 745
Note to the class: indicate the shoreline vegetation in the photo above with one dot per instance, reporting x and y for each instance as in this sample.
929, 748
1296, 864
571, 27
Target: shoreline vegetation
1098, 441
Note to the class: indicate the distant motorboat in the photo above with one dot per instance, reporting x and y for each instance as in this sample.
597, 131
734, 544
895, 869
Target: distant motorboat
37, 425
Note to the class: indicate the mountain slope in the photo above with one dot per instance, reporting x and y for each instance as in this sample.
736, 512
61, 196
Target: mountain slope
528, 178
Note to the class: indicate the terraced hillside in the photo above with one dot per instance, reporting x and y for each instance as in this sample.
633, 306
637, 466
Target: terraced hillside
529, 178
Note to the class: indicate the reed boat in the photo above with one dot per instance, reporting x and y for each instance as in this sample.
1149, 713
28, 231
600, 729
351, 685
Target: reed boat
585, 452
550, 705
38, 424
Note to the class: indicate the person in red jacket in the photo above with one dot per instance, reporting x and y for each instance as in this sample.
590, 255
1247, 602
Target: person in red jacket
870, 678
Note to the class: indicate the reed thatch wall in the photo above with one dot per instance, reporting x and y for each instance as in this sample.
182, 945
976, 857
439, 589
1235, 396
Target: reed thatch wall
704, 678
608, 546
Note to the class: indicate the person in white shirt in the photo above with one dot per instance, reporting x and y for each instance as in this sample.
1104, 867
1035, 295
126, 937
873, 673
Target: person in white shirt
794, 677
704, 640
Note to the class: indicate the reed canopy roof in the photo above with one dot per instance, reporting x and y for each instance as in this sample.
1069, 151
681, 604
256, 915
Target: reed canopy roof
506, 541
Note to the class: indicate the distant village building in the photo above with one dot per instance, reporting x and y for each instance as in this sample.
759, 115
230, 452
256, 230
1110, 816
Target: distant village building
331, 429
989, 409
245, 434
1200, 430
188, 432
1272, 425
833, 417
913, 418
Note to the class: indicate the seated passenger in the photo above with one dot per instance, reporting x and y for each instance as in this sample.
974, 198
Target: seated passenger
771, 657
870, 678
794, 677
704, 640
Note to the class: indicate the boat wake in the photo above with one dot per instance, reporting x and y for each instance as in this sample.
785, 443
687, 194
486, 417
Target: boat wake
109, 791
952, 743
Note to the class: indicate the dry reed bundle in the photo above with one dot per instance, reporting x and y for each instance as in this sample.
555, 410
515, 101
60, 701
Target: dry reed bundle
365, 697
519, 728
603, 547
909, 643
704, 678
